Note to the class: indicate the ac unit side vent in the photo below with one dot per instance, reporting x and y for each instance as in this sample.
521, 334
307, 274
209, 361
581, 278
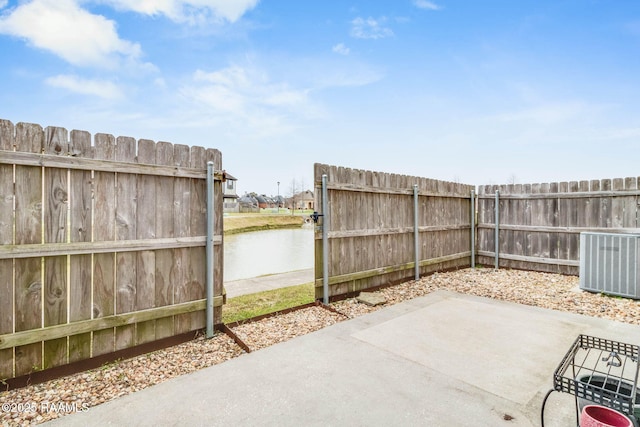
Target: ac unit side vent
610, 264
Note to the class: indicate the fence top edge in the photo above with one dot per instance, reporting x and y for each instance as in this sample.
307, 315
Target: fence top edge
95, 135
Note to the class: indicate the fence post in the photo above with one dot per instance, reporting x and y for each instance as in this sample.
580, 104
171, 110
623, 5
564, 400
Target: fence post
473, 230
210, 247
416, 232
497, 231
325, 242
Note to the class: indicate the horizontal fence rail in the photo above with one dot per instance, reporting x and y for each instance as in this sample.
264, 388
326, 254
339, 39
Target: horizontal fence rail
102, 244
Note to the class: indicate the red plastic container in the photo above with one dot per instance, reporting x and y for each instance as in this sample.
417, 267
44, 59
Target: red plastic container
601, 416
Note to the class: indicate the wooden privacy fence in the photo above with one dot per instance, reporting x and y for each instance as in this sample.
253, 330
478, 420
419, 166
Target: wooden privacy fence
371, 228
539, 224
102, 247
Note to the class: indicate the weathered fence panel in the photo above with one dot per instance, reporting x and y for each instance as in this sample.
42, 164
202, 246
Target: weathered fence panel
102, 247
371, 220
540, 224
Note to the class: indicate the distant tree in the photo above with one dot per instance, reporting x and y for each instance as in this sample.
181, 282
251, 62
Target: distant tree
293, 192
296, 188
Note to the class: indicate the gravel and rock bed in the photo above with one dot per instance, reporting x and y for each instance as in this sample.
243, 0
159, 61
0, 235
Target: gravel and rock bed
41, 402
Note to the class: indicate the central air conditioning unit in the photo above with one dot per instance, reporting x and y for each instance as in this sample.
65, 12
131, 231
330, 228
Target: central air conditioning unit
610, 263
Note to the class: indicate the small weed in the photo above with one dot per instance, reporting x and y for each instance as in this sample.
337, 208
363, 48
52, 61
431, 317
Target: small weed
108, 365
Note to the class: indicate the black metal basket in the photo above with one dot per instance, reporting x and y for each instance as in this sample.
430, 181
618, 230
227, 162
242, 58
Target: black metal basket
601, 371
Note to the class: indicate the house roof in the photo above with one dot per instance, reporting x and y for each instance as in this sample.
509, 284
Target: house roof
226, 176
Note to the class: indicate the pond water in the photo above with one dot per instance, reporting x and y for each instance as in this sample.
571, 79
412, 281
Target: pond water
258, 253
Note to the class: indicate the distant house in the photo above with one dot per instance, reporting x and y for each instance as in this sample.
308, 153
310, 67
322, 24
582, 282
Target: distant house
248, 203
263, 201
306, 200
301, 200
229, 194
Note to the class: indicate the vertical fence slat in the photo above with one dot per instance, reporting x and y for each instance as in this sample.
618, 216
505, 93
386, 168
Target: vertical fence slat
28, 229
56, 195
181, 221
218, 250
80, 202
617, 204
505, 212
164, 228
126, 274
145, 293
606, 217
593, 214
496, 238
6, 238
198, 227
104, 282
573, 215
519, 237
629, 205
553, 220
564, 218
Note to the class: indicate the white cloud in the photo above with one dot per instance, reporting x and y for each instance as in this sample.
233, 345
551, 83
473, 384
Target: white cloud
547, 114
101, 88
74, 34
191, 11
245, 102
352, 74
241, 91
341, 49
370, 28
425, 4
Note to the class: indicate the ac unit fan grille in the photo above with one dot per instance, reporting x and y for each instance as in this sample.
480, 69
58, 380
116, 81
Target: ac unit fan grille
609, 263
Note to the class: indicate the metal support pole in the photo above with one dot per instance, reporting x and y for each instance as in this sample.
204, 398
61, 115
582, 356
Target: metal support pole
210, 248
416, 232
497, 232
473, 229
325, 242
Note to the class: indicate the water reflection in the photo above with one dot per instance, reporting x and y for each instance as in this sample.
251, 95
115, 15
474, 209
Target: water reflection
258, 253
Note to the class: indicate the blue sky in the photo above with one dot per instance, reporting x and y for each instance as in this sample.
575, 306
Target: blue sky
478, 92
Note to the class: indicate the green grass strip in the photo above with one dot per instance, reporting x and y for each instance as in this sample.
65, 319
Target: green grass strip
247, 306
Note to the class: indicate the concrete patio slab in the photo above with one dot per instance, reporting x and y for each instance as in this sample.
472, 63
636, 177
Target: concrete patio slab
499, 348
441, 360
